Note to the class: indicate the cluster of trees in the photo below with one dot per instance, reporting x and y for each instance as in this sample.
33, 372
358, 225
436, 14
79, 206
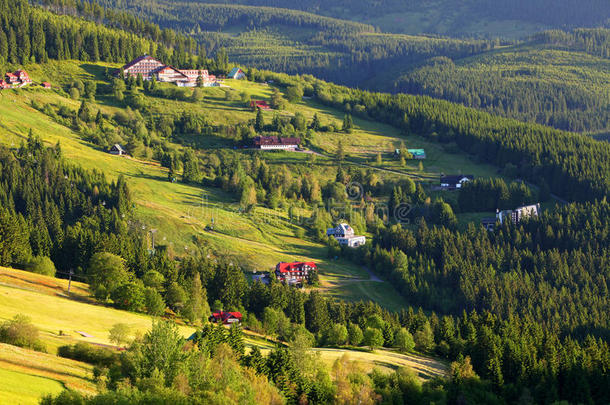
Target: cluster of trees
594, 41
491, 194
67, 217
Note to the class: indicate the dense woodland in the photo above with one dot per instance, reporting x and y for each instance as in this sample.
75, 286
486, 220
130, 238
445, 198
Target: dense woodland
545, 12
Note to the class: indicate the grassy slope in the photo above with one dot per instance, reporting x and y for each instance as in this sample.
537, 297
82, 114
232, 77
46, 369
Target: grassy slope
44, 300
257, 240
22, 388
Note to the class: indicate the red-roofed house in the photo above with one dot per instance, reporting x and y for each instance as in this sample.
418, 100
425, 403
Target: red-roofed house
11, 78
23, 76
254, 104
226, 318
295, 272
46, 85
4, 85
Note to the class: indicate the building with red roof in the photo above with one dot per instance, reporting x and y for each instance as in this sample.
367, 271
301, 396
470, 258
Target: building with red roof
226, 318
295, 272
14, 80
254, 104
46, 85
149, 68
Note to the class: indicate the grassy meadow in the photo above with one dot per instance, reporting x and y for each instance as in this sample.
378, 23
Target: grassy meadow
180, 212
26, 375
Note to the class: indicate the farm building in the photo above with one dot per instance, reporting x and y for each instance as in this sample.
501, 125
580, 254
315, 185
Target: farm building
117, 150
254, 104
295, 272
4, 85
237, 74
275, 143
226, 318
417, 153
452, 182
344, 234
518, 214
46, 85
149, 68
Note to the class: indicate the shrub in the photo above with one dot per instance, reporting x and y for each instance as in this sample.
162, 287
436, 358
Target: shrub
42, 265
20, 331
87, 353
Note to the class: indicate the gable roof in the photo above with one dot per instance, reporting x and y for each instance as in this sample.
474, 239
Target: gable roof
455, 178
118, 147
222, 315
284, 267
140, 59
416, 152
275, 140
235, 71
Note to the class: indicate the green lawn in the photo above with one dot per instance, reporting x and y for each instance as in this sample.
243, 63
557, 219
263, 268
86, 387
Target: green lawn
23, 389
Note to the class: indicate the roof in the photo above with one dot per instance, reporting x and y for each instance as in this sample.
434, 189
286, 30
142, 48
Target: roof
284, 267
46, 84
416, 152
226, 315
9, 74
235, 71
139, 59
455, 178
117, 147
276, 140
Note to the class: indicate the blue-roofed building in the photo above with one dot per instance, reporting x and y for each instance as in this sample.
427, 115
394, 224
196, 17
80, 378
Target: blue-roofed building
237, 74
417, 153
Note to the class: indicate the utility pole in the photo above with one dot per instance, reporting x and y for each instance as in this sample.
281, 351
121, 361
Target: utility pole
70, 280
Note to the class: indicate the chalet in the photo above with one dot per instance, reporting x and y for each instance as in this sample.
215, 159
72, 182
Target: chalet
227, 318
455, 181
11, 78
117, 150
237, 74
344, 234
23, 77
145, 65
14, 80
254, 104
518, 214
417, 153
275, 143
295, 273
46, 85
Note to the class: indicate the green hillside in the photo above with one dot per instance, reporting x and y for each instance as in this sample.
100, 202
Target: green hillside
33, 374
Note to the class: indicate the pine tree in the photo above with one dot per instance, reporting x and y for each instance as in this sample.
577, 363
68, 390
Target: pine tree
259, 125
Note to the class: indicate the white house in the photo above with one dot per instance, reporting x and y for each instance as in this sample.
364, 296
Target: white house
455, 181
344, 234
237, 74
117, 150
